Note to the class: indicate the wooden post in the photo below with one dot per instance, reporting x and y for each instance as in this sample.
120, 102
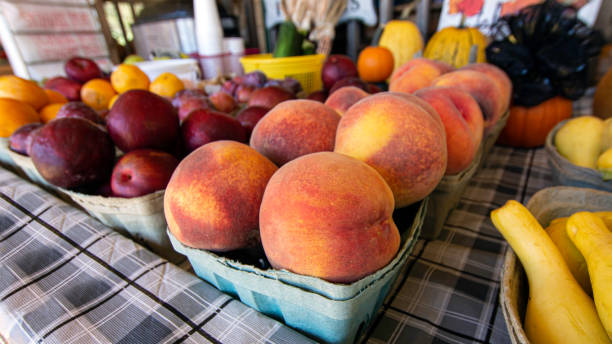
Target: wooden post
110, 42
423, 17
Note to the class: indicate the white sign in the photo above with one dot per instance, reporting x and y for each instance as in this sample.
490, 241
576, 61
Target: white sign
483, 13
362, 10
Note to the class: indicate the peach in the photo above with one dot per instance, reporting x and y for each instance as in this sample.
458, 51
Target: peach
330, 216
500, 78
212, 200
344, 98
400, 139
481, 87
416, 74
294, 128
422, 103
463, 124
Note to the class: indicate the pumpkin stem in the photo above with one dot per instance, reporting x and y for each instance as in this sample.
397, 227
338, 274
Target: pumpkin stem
462, 22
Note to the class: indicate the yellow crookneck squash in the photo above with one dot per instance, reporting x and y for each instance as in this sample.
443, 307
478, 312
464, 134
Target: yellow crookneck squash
453, 45
403, 39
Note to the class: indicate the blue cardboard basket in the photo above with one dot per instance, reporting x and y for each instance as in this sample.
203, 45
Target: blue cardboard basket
325, 311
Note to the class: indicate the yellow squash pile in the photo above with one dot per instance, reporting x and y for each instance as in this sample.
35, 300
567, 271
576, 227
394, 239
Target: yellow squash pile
559, 309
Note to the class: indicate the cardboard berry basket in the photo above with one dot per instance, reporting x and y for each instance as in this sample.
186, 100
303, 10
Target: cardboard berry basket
546, 205
5, 157
141, 218
447, 194
328, 312
566, 173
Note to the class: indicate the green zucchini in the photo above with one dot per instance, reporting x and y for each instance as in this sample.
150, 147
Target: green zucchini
289, 41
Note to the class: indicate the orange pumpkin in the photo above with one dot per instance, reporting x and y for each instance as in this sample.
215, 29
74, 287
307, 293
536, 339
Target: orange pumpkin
528, 126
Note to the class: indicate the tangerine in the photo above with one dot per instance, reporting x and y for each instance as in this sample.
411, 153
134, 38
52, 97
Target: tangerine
129, 77
49, 111
14, 114
166, 85
97, 93
375, 64
55, 97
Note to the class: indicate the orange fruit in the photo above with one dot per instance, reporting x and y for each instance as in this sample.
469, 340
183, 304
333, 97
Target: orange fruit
54, 96
14, 114
49, 111
375, 64
112, 101
129, 77
27, 91
97, 93
166, 85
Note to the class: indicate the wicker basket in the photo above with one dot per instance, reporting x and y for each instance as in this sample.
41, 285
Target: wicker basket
566, 173
545, 205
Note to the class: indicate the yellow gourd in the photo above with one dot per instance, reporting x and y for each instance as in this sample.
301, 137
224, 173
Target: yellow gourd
558, 310
593, 239
572, 256
403, 39
453, 46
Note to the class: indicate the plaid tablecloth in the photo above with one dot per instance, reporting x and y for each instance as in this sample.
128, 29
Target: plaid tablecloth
66, 278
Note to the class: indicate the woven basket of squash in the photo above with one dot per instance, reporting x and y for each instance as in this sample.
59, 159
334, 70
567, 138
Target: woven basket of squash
549, 54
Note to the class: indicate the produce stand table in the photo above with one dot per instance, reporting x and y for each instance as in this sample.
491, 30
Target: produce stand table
64, 277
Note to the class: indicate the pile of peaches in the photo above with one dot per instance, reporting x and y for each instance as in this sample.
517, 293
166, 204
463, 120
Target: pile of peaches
319, 181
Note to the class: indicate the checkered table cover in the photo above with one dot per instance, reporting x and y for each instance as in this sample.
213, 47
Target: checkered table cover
65, 278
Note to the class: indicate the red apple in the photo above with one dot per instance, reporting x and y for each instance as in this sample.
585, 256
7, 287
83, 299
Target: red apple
79, 109
335, 68
206, 125
141, 119
72, 153
82, 69
141, 172
185, 94
190, 104
269, 96
319, 96
350, 81
249, 116
222, 101
67, 87
20, 139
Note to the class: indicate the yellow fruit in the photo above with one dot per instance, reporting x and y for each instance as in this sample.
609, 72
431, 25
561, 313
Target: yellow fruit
166, 85
26, 91
97, 93
606, 135
572, 257
14, 114
558, 310
112, 101
129, 77
591, 236
48, 112
55, 97
403, 39
579, 140
453, 45
604, 164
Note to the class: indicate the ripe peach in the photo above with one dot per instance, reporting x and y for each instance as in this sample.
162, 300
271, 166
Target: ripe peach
212, 200
481, 87
416, 74
294, 128
500, 78
400, 139
330, 216
463, 123
344, 98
